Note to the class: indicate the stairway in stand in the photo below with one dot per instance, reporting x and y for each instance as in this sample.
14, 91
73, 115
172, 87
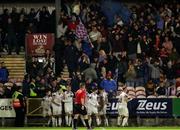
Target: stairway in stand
65, 73
15, 64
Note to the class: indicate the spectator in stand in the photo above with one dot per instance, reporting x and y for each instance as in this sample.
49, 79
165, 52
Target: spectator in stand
108, 84
84, 62
4, 73
31, 16
150, 88
11, 37
95, 35
154, 71
104, 44
25, 85
161, 89
131, 48
168, 45
130, 76
1, 90
21, 31
8, 91
44, 17
59, 48
71, 56
139, 67
90, 73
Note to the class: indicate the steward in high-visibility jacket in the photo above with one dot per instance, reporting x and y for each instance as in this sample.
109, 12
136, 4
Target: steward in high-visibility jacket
18, 103
33, 89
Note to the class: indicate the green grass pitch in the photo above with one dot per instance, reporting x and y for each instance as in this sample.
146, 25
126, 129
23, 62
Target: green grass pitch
100, 128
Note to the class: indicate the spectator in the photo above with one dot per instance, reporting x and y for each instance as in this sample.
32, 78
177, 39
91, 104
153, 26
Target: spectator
21, 31
44, 16
108, 84
168, 45
71, 56
90, 73
155, 71
161, 89
11, 37
8, 92
1, 91
25, 85
150, 88
3, 73
130, 76
131, 48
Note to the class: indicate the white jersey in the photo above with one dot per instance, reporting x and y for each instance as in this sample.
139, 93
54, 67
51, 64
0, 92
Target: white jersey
46, 102
57, 99
68, 102
93, 104
46, 105
123, 100
57, 103
103, 100
68, 97
93, 99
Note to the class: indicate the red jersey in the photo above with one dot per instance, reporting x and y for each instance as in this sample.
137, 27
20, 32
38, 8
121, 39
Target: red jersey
80, 94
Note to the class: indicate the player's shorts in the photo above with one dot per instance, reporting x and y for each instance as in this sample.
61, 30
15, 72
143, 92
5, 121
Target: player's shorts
92, 110
103, 110
77, 109
123, 110
68, 108
56, 110
46, 112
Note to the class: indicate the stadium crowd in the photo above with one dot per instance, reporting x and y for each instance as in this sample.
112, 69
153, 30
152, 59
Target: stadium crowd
142, 53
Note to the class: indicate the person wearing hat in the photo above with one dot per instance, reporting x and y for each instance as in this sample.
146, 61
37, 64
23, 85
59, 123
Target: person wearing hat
19, 105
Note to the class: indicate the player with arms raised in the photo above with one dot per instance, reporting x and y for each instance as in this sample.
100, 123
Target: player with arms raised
123, 112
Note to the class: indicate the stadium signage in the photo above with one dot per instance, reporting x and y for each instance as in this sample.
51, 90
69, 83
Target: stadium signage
145, 105
161, 107
38, 43
6, 109
151, 107
40, 39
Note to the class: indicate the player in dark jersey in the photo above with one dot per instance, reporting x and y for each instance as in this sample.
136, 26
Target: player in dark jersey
80, 106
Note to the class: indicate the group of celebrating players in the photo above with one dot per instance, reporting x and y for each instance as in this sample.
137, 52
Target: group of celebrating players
84, 105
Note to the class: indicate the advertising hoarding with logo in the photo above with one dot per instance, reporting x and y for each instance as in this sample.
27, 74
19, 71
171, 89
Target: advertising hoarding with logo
144, 107
37, 44
6, 108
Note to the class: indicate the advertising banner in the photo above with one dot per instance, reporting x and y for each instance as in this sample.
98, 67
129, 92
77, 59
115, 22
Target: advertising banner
37, 44
112, 107
161, 107
144, 107
6, 108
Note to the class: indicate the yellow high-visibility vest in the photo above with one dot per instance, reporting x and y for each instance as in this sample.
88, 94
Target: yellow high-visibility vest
16, 101
32, 93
